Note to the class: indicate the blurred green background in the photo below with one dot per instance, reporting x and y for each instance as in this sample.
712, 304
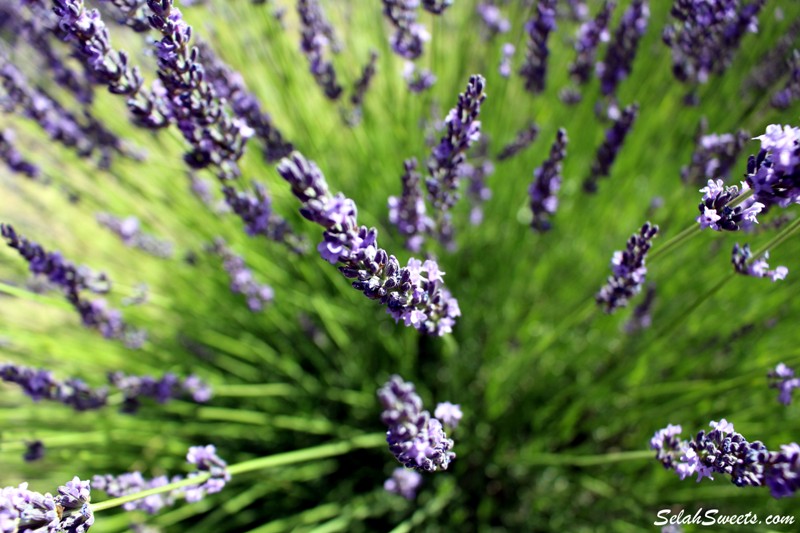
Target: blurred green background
554, 392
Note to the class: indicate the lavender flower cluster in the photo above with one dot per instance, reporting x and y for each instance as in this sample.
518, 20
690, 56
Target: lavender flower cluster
782, 377
618, 61
205, 459
714, 154
415, 438
242, 280
628, 270
413, 293
608, 150
316, 36
409, 35
26, 511
94, 314
590, 34
546, 184
534, 70
167, 387
130, 231
39, 384
724, 451
13, 159
706, 35
741, 258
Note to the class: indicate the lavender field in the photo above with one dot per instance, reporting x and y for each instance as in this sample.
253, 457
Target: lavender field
399, 265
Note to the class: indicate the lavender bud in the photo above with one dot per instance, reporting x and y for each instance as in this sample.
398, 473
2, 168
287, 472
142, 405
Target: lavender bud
783, 379
404, 482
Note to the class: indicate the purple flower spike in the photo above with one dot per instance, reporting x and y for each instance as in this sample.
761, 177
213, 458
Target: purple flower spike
317, 35
493, 19
413, 293
13, 159
166, 388
706, 35
407, 212
538, 28
617, 64
418, 80
416, 440
130, 231
242, 280
791, 92
85, 31
759, 268
590, 34
436, 7
28, 512
34, 450
409, 35
507, 52
523, 139
450, 414
95, 314
612, 144
207, 460
463, 129
546, 184
256, 212
774, 174
783, 379
41, 385
628, 270
782, 473
714, 154
404, 482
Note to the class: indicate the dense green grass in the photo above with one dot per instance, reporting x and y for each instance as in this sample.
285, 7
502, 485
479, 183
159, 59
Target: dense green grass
559, 402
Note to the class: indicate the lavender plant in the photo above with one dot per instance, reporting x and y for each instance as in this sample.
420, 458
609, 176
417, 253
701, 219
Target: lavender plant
552, 400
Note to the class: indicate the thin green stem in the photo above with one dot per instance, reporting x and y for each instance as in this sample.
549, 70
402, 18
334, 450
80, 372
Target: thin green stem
675, 241
557, 459
323, 451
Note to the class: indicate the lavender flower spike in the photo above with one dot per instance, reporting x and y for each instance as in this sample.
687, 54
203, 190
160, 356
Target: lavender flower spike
507, 52
242, 281
316, 36
714, 154
741, 259
607, 152
41, 385
130, 231
207, 460
409, 34
717, 211
407, 212
413, 293
538, 28
774, 174
404, 482
166, 388
13, 159
628, 270
416, 440
418, 80
436, 7
95, 314
783, 379
617, 64
522, 140
590, 34
463, 129
28, 512
492, 19
546, 184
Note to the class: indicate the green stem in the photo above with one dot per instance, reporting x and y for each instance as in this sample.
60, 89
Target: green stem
557, 459
323, 451
675, 241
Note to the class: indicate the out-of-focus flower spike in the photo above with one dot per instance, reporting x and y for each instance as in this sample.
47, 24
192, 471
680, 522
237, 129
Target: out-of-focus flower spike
316, 37
791, 92
743, 263
409, 35
590, 34
362, 84
404, 482
436, 7
493, 20
522, 140
783, 378
608, 150
241, 278
408, 212
714, 154
546, 184
618, 61
13, 159
418, 80
538, 28
130, 231
39, 384
507, 52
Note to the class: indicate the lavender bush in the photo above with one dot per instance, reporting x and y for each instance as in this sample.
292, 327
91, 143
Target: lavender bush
274, 190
